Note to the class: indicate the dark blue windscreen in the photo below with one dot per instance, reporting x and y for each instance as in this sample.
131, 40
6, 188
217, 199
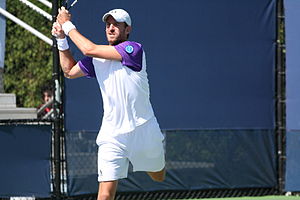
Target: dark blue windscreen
25, 160
292, 12
213, 159
202, 159
211, 66
292, 172
210, 63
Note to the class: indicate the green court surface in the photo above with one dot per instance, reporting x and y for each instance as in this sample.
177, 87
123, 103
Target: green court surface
254, 198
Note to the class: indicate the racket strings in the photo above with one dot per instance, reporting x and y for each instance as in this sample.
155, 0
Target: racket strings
72, 4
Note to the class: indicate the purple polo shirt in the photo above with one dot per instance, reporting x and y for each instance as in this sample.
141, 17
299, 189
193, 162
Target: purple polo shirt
132, 56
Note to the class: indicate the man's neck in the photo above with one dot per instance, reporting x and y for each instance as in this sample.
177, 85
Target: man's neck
117, 42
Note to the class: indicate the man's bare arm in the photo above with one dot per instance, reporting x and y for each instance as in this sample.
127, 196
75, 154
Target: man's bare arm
68, 64
86, 46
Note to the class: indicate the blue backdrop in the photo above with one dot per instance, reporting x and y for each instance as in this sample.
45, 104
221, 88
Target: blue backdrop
210, 63
25, 160
211, 66
292, 12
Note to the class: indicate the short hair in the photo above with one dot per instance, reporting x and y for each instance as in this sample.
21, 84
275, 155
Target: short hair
125, 27
47, 88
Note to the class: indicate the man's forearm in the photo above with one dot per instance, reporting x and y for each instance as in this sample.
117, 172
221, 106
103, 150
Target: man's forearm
66, 61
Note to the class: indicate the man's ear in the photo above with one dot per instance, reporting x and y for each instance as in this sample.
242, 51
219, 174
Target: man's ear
128, 29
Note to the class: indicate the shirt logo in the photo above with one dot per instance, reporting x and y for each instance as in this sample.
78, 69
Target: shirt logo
129, 49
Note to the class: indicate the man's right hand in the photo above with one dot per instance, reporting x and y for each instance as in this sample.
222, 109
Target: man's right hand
63, 15
57, 31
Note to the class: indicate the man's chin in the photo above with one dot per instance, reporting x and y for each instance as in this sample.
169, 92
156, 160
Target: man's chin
115, 42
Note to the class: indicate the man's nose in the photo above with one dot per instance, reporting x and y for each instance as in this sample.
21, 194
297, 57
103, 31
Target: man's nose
111, 27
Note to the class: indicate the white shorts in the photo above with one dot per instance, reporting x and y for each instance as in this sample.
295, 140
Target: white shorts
143, 147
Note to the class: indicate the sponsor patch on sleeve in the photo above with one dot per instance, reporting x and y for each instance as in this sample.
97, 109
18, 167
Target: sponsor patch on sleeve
129, 49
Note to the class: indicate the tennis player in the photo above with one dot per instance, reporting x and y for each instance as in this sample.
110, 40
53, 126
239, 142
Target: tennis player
129, 130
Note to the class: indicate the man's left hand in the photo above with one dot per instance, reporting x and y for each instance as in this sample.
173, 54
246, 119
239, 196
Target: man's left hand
63, 15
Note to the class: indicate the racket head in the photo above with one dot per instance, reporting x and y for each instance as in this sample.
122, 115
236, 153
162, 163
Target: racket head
68, 4
65, 4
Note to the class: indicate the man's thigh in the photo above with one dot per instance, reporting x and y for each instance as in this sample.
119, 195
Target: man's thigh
147, 149
112, 163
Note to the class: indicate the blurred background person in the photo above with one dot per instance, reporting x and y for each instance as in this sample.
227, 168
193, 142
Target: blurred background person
45, 109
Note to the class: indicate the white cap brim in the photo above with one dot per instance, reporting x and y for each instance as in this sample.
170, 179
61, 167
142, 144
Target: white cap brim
105, 17
119, 17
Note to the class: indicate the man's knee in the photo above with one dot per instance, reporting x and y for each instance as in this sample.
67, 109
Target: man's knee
105, 196
158, 176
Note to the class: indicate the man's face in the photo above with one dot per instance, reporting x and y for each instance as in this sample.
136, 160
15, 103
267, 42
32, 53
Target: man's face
116, 32
47, 96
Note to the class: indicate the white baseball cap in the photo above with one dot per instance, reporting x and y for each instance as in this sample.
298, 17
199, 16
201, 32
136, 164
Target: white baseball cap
119, 15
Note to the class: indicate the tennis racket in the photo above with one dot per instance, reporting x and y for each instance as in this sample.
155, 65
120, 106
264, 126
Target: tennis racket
68, 5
